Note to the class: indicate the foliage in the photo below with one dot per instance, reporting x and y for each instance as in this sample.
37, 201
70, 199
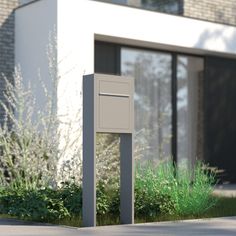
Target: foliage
51, 204
151, 197
71, 195
38, 205
42, 204
37, 147
159, 190
27, 155
177, 191
193, 192
225, 206
103, 199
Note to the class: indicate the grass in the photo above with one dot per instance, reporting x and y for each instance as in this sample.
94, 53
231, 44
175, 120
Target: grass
224, 207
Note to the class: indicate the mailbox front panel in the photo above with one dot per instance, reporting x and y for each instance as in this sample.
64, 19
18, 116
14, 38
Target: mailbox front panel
114, 101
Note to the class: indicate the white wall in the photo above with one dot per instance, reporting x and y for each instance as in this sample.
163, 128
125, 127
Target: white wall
80, 22
33, 25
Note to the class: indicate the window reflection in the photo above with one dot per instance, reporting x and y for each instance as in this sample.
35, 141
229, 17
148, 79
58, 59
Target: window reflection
170, 6
190, 109
152, 73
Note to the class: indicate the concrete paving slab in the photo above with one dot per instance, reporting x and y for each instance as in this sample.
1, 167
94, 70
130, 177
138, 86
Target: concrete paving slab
207, 227
225, 190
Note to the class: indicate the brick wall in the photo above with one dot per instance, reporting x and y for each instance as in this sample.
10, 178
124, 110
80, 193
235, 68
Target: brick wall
221, 11
6, 44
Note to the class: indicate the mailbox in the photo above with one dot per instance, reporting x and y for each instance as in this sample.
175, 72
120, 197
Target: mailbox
114, 104
108, 107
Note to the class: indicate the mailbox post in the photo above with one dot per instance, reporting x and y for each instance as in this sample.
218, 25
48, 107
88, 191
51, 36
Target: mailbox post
108, 107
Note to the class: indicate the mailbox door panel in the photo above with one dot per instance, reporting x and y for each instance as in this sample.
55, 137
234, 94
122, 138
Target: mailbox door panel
113, 112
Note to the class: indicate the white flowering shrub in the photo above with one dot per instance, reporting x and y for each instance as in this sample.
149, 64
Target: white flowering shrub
30, 150
28, 145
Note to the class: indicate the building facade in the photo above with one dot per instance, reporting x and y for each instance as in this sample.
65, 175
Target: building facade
7, 32
184, 68
216, 11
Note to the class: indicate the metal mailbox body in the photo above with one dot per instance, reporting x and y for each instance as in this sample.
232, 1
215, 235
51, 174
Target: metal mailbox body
108, 107
114, 104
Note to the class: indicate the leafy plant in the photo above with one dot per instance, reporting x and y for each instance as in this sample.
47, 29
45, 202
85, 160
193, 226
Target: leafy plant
167, 189
37, 147
151, 198
71, 195
193, 193
103, 199
38, 205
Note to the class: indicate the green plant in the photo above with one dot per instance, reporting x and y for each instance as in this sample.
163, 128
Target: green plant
71, 195
193, 193
38, 146
170, 190
150, 197
160, 191
103, 199
38, 205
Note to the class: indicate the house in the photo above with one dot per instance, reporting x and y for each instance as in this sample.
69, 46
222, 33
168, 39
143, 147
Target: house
184, 66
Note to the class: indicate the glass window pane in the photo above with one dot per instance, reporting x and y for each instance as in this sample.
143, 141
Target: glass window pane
190, 109
152, 73
170, 6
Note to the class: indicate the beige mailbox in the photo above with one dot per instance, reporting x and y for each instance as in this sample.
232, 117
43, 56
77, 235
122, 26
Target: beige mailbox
108, 107
114, 104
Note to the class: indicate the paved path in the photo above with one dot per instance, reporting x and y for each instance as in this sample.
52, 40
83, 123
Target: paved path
217, 227
225, 190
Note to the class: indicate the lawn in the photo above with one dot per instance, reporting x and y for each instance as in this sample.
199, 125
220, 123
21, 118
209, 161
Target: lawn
225, 206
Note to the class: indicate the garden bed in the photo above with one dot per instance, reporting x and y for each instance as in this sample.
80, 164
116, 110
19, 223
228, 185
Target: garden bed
162, 193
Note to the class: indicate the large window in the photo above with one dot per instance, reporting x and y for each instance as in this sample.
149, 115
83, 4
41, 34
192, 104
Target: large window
152, 73
168, 100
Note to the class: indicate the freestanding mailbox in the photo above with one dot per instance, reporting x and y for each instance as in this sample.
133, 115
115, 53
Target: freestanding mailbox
108, 107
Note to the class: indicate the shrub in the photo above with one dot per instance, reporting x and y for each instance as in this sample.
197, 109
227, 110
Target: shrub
103, 199
38, 205
159, 190
38, 147
151, 199
193, 192
71, 195
168, 189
